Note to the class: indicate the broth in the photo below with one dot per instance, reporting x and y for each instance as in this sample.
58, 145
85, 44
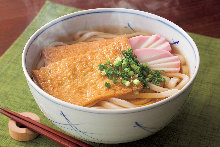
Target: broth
111, 32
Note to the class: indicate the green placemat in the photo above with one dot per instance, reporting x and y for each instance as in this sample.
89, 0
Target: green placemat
198, 124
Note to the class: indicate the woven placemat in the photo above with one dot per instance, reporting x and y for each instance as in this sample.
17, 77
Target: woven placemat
198, 124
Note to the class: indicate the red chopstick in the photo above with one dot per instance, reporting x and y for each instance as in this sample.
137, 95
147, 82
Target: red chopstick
46, 131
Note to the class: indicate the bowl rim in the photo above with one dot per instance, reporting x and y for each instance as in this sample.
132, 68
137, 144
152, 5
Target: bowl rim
108, 111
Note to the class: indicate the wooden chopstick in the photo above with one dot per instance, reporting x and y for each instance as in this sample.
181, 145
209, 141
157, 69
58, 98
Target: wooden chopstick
46, 131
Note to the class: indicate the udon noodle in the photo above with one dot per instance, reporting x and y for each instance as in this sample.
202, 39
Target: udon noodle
174, 81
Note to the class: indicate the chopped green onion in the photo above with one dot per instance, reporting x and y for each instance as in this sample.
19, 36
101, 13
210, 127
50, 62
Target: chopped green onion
147, 79
105, 66
135, 68
109, 71
117, 73
100, 67
124, 63
103, 72
124, 52
116, 67
107, 62
114, 80
144, 64
125, 82
131, 61
130, 51
129, 68
136, 82
131, 73
150, 76
107, 84
163, 80
110, 77
118, 61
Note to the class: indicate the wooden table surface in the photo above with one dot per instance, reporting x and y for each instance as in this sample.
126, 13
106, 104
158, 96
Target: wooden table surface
197, 16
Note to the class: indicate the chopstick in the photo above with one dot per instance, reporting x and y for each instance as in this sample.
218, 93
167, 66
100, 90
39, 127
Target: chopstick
46, 131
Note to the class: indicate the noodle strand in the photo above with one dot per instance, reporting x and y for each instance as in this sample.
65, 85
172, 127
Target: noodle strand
184, 77
154, 95
121, 102
156, 88
109, 105
173, 82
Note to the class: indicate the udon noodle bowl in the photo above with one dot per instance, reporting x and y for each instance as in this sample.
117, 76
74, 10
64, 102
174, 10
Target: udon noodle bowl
68, 68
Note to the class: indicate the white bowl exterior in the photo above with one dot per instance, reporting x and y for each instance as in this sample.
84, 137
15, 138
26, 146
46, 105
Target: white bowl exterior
105, 126
108, 127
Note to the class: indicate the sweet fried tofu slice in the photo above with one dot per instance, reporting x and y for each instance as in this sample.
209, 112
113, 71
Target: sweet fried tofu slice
77, 80
57, 53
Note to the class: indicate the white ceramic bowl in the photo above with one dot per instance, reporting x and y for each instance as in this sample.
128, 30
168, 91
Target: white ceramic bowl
109, 126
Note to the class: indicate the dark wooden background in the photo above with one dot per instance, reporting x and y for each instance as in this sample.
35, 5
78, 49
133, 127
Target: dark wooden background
197, 16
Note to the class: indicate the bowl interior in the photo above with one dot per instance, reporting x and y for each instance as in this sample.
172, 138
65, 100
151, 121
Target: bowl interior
133, 19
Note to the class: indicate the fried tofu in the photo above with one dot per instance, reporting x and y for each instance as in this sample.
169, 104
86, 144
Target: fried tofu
57, 53
77, 79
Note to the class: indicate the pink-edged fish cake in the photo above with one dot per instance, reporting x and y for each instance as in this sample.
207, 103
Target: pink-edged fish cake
154, 41
158, 59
